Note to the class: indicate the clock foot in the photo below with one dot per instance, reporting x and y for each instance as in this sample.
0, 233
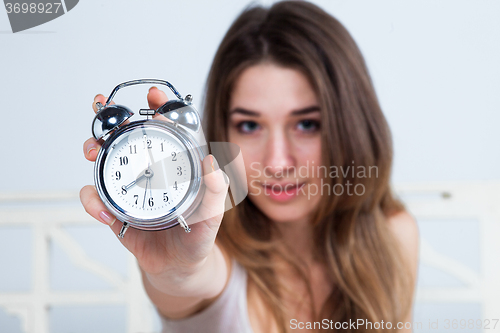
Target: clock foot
183, 223
123, 230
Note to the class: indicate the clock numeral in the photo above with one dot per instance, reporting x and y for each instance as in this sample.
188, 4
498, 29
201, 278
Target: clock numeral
118, 175
174, 156
165, 197
136, 198
124, 160
133, 149
179, 171
161, 144
124, 190
150, 202
149, 144
175, 185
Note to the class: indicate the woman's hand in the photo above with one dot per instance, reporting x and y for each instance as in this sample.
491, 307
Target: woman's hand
173, 252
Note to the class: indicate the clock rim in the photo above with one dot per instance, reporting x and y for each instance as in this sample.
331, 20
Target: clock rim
187, 204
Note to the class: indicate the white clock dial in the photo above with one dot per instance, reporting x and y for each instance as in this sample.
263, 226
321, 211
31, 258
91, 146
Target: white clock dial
147, 172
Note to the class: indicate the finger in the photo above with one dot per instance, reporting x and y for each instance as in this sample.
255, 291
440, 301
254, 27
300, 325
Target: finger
91, 149
101, 99
214, 198
94, 206
156, 98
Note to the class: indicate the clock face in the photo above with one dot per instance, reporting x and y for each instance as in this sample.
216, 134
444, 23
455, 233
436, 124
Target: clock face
147, 172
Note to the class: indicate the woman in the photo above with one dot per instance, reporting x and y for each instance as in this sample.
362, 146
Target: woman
320, 238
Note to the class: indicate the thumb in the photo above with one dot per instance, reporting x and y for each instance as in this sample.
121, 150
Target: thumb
216, 182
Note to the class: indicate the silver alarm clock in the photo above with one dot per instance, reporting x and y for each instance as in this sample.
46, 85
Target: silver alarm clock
148, 173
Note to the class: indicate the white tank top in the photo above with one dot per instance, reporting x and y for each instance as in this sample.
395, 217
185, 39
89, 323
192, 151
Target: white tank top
228, 313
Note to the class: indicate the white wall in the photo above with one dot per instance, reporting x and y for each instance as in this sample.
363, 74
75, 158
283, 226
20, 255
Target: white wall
434, 64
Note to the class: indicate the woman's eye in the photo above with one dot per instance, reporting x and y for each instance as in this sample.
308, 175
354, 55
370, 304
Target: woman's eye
308, 125
247, 127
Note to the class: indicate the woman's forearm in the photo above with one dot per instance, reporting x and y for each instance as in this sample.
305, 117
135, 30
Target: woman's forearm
177, 293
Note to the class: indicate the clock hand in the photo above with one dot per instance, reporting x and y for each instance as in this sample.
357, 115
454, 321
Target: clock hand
148, 173
150, 156
150, 187
135, 181
145, 192
145, 139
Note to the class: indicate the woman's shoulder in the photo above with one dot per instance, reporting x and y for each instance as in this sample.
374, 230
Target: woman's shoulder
404, 226
405, 230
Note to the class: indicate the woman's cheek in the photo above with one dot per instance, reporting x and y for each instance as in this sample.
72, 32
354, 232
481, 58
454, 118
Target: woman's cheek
309, 151
251, 158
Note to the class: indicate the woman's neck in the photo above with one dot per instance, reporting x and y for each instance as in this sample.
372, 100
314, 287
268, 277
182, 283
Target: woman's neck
298, 239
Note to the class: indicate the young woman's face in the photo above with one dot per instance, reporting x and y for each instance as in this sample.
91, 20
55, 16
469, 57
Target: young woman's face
275, 120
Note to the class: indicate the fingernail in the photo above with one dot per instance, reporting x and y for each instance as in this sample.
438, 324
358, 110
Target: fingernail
152, 88
96, 96
226, 178
107, 218
90, 147
94, 106
213, 162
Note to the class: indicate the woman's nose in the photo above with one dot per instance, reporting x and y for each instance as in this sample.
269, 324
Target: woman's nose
278, 155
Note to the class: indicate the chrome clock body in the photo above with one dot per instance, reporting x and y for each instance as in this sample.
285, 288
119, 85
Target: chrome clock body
148, 173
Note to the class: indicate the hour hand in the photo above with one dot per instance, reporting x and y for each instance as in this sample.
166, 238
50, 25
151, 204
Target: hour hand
126, 187
148, 173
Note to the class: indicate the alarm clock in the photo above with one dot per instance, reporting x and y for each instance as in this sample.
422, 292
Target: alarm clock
148, 173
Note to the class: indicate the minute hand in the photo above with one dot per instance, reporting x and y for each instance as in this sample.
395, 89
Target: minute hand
147, 151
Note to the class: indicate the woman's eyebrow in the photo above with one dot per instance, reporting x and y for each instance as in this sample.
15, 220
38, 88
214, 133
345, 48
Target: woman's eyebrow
245, 112
307, 110
299, 112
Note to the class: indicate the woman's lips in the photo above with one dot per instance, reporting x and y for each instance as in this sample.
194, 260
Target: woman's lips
282, 192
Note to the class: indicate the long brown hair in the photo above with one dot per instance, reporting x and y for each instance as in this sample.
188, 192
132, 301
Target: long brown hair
351, 235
